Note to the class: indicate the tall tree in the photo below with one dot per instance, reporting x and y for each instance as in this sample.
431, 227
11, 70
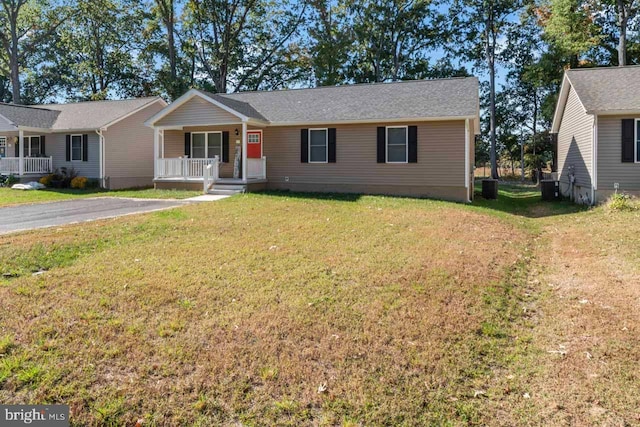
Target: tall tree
244, 43
331, 41
24, 26
97, 51
394, 39
477, 26
175, 74
571, 27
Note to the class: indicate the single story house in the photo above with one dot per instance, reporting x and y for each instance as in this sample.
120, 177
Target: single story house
597, 122
102, 140
411, 138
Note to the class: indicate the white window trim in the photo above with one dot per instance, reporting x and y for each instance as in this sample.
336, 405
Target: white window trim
206, 144
635, 140
406, 141
27, 141
81, 148
326, 144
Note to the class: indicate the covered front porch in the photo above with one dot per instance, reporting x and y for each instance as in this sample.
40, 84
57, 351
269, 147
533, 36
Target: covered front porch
200, 142
23, 154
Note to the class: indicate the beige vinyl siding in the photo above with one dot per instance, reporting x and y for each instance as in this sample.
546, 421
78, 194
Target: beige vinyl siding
610, 166
174, 144
129, 150
195, 112
575, 142
441, 161
56, 146
440, 171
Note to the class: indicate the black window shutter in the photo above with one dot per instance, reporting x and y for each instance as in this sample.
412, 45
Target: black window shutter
85, 147
17, 147
187, 144
68, 150
225, 147
42, 147
304, 145
332, 145
382, 136
627, 140
413, 144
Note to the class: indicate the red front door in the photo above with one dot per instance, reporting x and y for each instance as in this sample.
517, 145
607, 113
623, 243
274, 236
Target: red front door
254, 144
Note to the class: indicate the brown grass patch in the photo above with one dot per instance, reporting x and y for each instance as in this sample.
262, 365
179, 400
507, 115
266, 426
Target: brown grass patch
261, 310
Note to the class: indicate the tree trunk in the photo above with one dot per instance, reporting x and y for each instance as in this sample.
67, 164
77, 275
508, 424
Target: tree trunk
622, 42
490, 54
522, 160
14, 62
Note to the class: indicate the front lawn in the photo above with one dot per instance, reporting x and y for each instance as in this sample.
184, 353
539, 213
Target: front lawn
9, 197
293, 309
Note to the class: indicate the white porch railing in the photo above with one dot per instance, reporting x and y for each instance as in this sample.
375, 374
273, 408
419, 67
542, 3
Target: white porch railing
30, 165
211, 175
197, 168
183, 167
257, 168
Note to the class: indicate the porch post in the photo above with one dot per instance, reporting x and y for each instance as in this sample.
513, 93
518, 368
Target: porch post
162, 146
156, 147
244, 152
21, 151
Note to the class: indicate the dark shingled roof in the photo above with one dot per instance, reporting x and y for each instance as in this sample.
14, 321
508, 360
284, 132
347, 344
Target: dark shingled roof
416, 99
79, 115
608, 89
236, 105
26, 116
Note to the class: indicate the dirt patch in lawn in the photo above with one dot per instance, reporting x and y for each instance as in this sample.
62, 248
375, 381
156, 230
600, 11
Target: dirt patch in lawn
588, 334
267, 310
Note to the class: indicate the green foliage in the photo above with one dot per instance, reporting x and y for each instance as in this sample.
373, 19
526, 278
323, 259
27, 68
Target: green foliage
571, 27
8, 180
622, 203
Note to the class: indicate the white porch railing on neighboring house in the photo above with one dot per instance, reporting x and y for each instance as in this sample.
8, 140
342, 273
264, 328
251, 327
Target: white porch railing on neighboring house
30, 165
182, 167
257, 168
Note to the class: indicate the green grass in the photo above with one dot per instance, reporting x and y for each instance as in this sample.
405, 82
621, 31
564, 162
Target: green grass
303, 309
9, 197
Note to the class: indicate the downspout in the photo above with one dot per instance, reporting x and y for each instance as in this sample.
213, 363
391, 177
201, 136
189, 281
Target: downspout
594, 161
101, 156
466, 159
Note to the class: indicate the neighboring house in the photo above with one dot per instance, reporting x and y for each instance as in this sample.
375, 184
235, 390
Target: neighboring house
597, 122
102, 140
411, 138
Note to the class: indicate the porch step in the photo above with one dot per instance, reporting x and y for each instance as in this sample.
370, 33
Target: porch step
227, 189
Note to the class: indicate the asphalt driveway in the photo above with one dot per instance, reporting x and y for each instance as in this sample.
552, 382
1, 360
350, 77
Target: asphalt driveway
29, 217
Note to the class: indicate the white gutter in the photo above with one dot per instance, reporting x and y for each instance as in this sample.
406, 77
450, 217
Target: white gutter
594, 161
466, 158
101, 156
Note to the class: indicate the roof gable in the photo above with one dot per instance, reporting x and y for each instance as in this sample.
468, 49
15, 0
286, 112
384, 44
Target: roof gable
608, 90
197, 111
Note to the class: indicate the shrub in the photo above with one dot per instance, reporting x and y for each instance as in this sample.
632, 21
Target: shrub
46, 180
67, 176
622, 202
8, 180
79, 182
